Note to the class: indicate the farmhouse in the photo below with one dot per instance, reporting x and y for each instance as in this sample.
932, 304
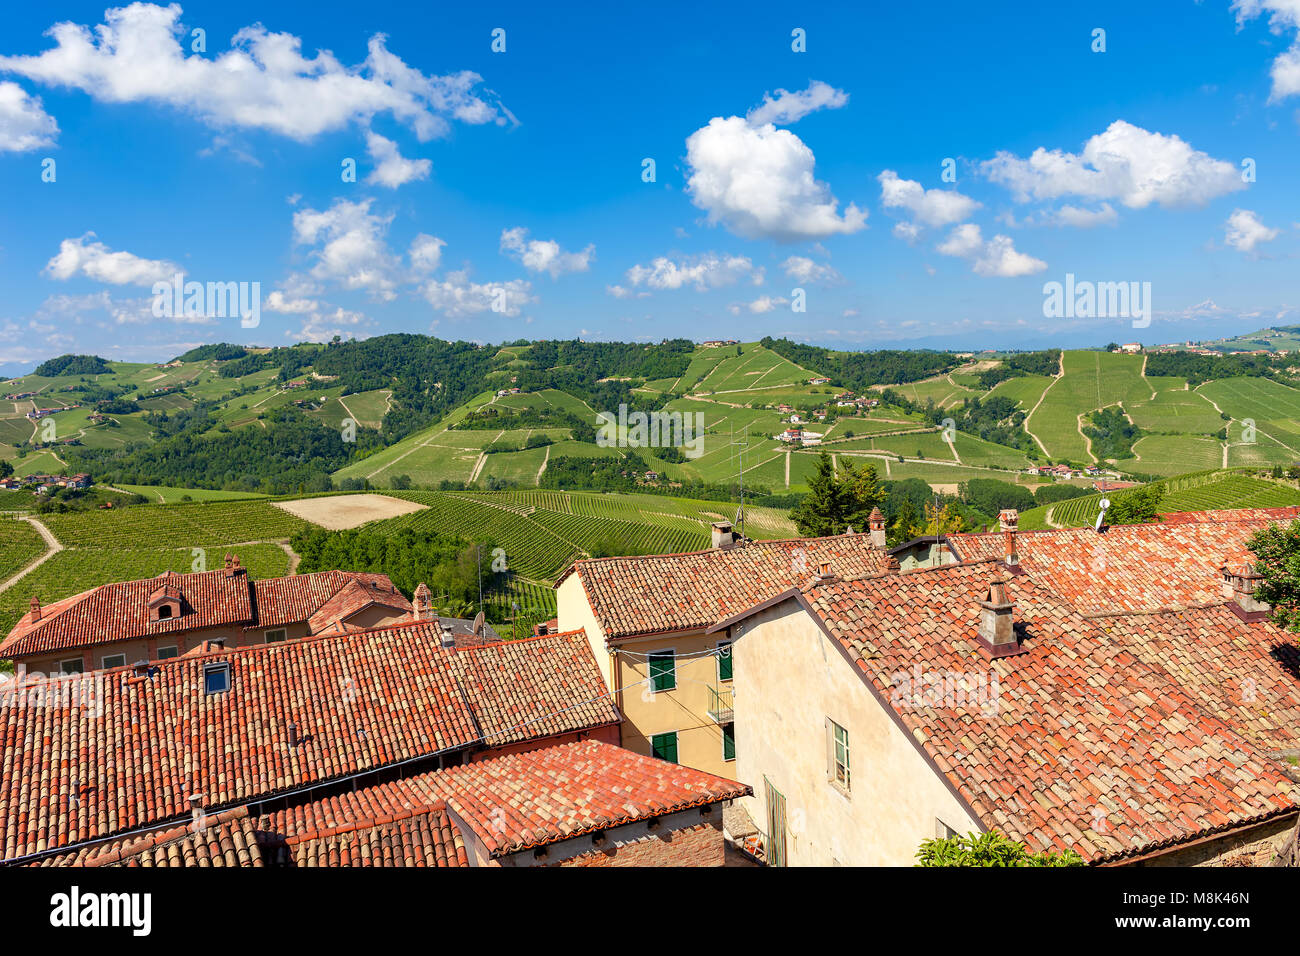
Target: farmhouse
646, 618
173, 614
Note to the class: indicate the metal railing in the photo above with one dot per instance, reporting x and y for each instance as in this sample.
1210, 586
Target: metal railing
721, 705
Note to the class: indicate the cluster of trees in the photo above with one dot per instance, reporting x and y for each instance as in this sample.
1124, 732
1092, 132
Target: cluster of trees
1198, 369
294, 453
453, 568
1136, 506
221, 351
73, 365
1112, 433
1022, 363
533, 441
858, 370
621, 474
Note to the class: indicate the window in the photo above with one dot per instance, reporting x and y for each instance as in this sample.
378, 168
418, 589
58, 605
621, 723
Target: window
663, 670
838, 754
216, 678
164, 611
724, 660
167, 652
72, 665
664, 746
279, 634
114, 660
728, 741
942, 831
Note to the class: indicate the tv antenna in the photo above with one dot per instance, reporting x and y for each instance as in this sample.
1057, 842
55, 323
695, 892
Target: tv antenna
739, 453
1104, 503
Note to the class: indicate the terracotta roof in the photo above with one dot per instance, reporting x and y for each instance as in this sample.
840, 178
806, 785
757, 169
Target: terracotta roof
1131, 568
118, 612
226, 840
108, 751
421, 835
674, 592
542, 796
1083, 742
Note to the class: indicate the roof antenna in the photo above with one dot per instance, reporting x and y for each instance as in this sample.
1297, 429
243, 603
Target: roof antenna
1104, 503
741, 445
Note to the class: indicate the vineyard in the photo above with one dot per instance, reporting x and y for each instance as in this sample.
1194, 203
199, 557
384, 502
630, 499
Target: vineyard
20, 545
1204, 491
199, 525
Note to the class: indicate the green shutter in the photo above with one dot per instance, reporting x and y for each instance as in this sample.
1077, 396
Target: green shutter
724, 660
663, 675
664, 746
728, 741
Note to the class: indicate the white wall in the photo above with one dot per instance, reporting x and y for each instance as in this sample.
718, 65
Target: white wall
789, 678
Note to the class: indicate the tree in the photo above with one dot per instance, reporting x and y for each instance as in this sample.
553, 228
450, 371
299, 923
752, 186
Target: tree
905, 528
1137, 506
6, 469
836, 502
941, 519
1277, 557
988, 849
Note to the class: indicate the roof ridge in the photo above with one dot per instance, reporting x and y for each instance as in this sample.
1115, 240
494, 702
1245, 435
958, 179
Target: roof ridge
367, 823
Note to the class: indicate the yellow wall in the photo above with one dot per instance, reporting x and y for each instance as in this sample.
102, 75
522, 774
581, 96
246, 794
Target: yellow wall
789, 679
685, 710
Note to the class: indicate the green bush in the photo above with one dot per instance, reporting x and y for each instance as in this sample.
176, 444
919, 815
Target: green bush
988, 849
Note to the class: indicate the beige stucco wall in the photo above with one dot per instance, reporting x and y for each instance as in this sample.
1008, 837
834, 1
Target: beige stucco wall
789, 679
685, 709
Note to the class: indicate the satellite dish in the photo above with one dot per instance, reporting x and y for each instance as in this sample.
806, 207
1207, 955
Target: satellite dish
1101, 515
1105, 503
478, 622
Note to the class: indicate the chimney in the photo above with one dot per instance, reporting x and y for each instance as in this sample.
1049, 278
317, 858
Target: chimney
824, 575
196, 811
141, 668
35, 605
448, 638
1008, 518
876, 528
423, 602
293, 734
1239, 584
997, 627
723, 537
226, 564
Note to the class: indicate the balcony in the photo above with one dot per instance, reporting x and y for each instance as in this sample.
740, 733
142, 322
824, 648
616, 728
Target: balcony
721, 705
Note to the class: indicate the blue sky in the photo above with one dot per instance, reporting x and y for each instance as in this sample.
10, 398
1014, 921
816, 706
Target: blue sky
500, 195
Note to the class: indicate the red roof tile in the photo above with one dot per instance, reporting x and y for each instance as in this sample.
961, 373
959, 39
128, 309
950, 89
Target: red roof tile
1131, 568
360, 701
117, 612
675, 592
227, 839
1083, 742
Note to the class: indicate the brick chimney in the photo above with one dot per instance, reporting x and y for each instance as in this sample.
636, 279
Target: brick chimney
876, 528
824, 575
997, 625
423, 602
1239, 584
35, 605
723, 536
1008, 519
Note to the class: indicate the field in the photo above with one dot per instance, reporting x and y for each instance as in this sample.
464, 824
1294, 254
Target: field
337, 512
178, 495
1092, 380
20, 545
201, 525
1190, 492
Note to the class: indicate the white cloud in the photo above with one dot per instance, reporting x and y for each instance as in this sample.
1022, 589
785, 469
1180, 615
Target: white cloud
544, 255
709, 271
278, 301
757, 180
766, 303
96, 261
323, 326
1124, 163
803, 269
393, 169
1243, 231
1104, 215
618, 291
425, 253
24, 125
457, 296
929, 207
996, 257
786, 107
1283, 15
262, 82
352, 249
